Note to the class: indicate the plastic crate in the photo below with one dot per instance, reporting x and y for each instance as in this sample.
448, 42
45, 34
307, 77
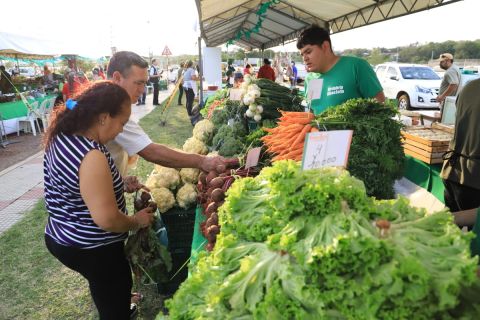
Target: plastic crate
252, 125
179, 259
179, 224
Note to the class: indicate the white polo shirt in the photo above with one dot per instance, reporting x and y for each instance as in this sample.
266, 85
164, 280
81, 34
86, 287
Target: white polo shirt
127, 144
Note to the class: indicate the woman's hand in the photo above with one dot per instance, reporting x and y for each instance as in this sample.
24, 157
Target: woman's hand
144, 217
132, 184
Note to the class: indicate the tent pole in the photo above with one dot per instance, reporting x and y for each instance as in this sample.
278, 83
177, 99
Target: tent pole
200, 64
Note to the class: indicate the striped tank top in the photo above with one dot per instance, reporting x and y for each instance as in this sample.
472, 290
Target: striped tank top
69, 221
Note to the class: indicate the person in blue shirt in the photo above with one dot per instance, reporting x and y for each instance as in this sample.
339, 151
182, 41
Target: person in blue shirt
293, 79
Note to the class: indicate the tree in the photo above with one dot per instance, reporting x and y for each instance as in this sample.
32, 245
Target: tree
377, 57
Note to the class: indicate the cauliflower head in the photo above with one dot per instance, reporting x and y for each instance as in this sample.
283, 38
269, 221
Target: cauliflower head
187, 196
189, 175
164, 198
193, 145
203, 130
163, 177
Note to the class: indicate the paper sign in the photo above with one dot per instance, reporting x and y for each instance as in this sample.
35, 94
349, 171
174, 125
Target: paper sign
235, 94
326, 149
252, 157
314, 89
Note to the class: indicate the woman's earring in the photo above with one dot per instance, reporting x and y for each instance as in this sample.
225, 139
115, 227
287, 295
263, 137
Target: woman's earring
102, 122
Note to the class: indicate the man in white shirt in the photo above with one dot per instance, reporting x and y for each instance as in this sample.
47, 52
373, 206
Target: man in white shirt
154, 77
130, 71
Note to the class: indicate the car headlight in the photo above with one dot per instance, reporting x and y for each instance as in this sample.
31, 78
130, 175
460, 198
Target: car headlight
423, 89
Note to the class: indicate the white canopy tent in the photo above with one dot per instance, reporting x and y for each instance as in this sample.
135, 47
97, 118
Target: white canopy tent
221, 21
18, 46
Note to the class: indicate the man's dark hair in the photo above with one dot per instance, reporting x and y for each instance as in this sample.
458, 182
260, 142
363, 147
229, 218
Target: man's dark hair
248, 66
122, 61
313, 35
266, 61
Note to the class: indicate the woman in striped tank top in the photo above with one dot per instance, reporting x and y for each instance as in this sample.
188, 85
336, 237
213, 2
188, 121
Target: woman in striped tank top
88, 221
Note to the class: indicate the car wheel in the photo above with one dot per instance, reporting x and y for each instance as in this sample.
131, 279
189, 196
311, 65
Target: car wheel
404, 102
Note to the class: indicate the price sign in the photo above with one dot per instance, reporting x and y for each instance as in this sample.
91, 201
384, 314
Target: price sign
314, 89
252, 157
326, 149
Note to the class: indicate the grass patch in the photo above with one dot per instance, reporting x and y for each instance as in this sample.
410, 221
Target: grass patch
34, 285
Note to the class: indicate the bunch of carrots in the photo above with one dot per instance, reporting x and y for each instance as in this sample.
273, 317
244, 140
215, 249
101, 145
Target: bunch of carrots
287, 139
215, 104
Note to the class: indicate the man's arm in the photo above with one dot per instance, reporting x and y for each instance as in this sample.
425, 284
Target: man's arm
167, 157
450, 89
380, 97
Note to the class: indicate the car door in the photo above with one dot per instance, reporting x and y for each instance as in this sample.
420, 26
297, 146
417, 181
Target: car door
381, 72
391, 83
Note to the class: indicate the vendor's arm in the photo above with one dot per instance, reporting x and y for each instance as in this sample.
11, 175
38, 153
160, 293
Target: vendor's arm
167, 157
380, 97
448, 92
96, 188
465, 217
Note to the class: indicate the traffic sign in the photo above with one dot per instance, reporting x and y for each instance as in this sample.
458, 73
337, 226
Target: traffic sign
166, 52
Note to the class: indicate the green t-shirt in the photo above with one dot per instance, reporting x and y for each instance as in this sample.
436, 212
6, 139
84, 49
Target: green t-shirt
349, 78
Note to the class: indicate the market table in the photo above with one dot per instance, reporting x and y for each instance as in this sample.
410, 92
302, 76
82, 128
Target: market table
425, 175
9, 111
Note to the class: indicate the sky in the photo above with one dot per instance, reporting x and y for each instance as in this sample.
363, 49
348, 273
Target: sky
143, 26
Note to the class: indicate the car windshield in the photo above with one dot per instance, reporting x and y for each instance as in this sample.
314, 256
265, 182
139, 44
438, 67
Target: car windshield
421, 73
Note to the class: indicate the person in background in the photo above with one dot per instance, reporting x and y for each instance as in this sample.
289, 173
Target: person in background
237, 80
189, 81
277, 67
247, 69
142, 98
293, 78
6, 85
180, 83
450, 85
71, 86
47, 77
130, 71
84, 196
96, 74
266, 71
101, 73
344, 78
155, 75
461, 165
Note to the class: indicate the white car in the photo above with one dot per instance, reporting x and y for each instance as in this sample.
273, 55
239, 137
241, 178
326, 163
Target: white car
412, 85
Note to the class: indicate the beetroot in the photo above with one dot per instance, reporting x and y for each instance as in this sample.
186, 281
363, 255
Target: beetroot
218, 195
217, 182
210, 176
211, 208
203, 178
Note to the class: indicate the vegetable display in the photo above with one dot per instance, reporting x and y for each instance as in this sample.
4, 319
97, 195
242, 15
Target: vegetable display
149, 259
376, 153
311, 244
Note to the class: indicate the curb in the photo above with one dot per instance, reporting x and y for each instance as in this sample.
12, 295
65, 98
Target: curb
13, 167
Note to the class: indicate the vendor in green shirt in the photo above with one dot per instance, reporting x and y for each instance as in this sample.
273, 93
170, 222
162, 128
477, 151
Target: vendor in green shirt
344, 78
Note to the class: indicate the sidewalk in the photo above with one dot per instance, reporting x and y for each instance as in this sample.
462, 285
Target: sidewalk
22, 183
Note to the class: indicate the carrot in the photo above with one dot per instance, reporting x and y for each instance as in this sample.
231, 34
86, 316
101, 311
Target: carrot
301, 136
314, 129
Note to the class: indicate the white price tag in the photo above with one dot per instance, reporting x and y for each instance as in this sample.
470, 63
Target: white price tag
326, 149
314, 89
252, 157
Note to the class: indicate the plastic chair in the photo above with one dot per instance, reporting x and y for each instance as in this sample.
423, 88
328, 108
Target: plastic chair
43, 113
30, 119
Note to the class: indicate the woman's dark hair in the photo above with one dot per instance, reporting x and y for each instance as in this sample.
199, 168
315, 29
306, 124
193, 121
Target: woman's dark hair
313, 35
122, 61
248, 66
189, 63
99, 97
71, 80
